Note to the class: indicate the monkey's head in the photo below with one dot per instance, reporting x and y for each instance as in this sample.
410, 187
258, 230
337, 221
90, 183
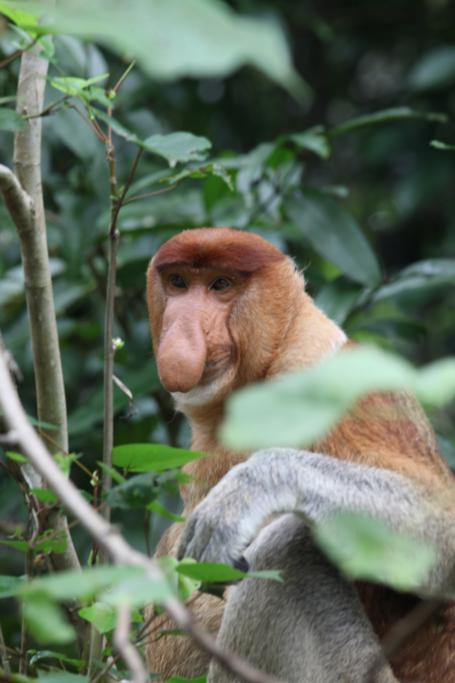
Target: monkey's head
219, 301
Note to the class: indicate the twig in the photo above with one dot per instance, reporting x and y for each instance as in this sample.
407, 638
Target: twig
107, 536
124, 75
147, 195
4, 655
17, 53
117, 202
49, 109
402, 630
126, 648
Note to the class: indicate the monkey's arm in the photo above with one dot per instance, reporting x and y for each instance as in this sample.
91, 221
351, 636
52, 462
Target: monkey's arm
284, 480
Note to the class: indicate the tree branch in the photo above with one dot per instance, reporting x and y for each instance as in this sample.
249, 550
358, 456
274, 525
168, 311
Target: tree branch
23, 197
106, 536
126, 648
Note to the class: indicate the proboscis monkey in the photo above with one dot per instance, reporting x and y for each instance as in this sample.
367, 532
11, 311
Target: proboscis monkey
227, 308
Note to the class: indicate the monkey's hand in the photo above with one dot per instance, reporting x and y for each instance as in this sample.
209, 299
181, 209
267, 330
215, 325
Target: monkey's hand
224, 524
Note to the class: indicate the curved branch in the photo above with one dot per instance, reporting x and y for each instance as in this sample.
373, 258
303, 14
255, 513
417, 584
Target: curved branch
18, 202
105, 535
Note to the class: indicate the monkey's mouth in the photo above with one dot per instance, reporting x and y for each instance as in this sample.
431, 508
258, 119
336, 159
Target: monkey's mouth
217, 366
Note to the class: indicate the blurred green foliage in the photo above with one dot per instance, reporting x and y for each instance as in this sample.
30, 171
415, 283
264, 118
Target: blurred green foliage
351, 187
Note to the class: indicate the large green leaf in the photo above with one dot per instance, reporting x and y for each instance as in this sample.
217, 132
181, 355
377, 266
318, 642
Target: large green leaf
178, 147
146, 457
300, 408
365, 548
171, 38
45, 620
138, 591
417, 279
20, 17
77, 585
334, 234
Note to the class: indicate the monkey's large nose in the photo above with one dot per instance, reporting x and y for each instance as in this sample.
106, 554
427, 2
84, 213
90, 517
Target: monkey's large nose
182, 354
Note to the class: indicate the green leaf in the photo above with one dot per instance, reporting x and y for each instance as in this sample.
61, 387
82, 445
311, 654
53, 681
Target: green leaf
51, 541
366, 548
271, 413
158, 509
315, 140
139, 491
17, 457
386, 116
211, 572
444, 146
10, 120
10, 585
417, 278
61, 677
41, 425
172, 39
338, 298
45, 496
38, 656
138, 591
178, 147
116, 476
16, 545
146, 457
334, 234
116, 126
101, 615
45, 620
435, 69
64, 461
78, 585
74, 86
23, 19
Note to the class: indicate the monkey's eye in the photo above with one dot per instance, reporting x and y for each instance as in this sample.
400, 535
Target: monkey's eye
177, 281
220, 283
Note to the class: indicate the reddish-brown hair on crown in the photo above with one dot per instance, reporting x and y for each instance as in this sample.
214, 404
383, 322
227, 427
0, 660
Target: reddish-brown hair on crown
217, 247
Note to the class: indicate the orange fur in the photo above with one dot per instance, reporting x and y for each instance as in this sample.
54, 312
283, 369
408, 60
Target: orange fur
275, 327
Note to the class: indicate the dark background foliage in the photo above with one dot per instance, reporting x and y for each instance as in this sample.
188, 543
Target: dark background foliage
359, 58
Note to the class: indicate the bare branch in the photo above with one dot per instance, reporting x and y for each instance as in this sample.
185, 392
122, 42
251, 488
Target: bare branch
4, 655
50, 394
126, 648
106, 536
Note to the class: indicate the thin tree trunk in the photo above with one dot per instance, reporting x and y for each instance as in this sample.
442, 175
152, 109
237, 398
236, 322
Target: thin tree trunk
49, 383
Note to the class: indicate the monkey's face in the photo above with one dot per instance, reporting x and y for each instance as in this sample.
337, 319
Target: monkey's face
214, 321
194, 346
